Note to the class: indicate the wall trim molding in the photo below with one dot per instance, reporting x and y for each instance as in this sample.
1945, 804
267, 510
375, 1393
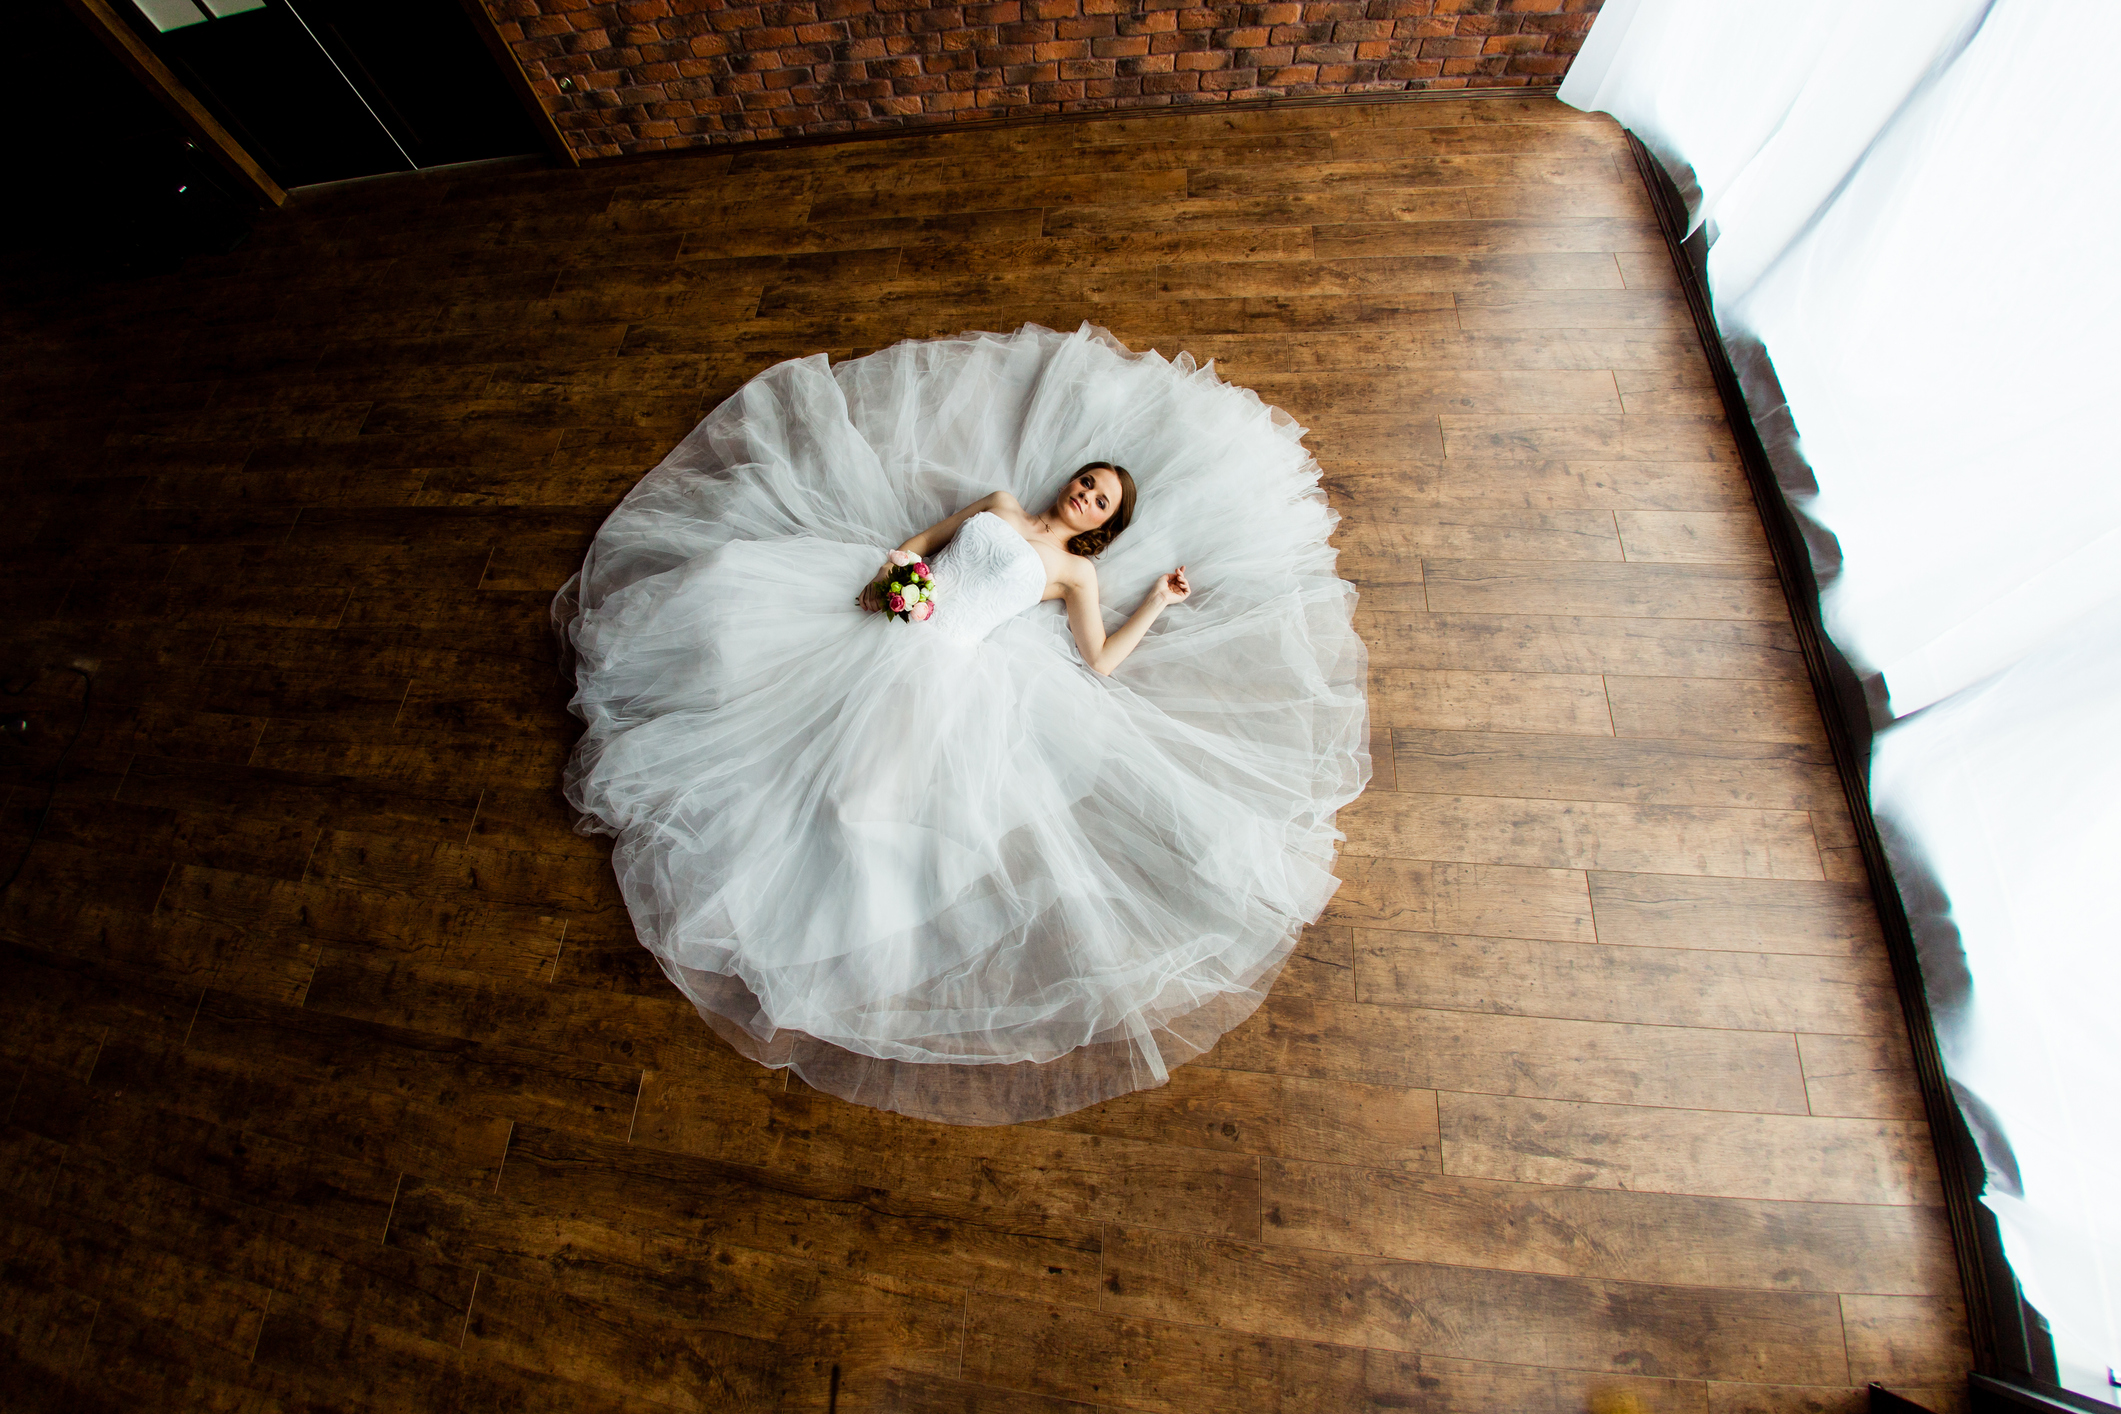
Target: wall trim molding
935, 127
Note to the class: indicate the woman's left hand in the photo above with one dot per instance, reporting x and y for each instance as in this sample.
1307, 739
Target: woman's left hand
1172, 588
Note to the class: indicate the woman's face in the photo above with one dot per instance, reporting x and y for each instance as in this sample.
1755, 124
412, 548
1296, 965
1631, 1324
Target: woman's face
1089, 500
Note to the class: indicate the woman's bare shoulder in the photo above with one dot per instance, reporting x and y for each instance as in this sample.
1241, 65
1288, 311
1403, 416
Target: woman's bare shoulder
998, 501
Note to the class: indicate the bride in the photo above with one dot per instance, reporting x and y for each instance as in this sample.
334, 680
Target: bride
1011, 860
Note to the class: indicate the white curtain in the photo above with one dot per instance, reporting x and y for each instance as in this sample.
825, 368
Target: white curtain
1913, 210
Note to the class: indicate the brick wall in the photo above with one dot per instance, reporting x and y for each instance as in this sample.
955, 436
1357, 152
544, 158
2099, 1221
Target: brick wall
642, 75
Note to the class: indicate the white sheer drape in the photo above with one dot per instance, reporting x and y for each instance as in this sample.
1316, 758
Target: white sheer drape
1912, 208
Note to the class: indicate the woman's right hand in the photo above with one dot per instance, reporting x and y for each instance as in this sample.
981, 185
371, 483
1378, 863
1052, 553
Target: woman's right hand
867, 598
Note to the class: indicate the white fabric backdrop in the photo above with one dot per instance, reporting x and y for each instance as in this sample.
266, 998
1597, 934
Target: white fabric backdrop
1912, 205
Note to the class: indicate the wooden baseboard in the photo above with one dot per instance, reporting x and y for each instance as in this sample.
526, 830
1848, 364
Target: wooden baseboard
922, 126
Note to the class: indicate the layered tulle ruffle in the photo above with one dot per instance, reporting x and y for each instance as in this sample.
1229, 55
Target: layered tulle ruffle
973, 882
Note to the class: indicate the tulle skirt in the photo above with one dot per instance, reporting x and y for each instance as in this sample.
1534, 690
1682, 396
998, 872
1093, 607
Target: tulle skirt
971, 882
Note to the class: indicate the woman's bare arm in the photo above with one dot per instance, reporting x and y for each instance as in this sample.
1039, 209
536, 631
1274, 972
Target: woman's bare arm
1103, 652
936, 536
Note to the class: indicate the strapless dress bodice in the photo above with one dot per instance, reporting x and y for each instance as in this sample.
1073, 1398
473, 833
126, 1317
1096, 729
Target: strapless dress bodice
987, 573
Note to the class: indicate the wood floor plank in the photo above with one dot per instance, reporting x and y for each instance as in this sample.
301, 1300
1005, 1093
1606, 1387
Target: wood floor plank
1657, 987
1499, 534
1513, 1055
1541, 390
1905, 1340
1592, 835
1033, 1176
1866, 1076
1286, 1116
1749, 915
1755, 775
1424, 896
1390, 275
1609, 1233
1715, 709
1394, 490
1549, 703
1470, 1314
1361, 355
1603, 590
1588, 643
1173, 1368
1518, 236
1781, 1158
668, 1361
1692, 537
542, 1226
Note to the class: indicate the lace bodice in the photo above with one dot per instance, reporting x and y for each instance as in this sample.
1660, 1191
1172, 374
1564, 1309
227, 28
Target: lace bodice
986, 573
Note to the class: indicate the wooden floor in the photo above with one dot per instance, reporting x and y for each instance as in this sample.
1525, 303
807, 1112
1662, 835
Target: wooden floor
335, 1079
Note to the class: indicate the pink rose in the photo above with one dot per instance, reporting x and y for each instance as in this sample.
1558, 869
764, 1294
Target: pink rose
902, 557
920, 567
898, 603
922, 610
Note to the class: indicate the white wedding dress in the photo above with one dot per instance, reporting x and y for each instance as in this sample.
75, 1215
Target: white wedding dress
943, 867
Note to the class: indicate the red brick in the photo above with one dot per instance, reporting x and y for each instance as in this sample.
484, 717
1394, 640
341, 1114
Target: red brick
1540, 65
1085, 27
1294, 73
1120, 46
1146, 64
1061, 49
1170, 83
1410, 69
1202, 60
1153, 22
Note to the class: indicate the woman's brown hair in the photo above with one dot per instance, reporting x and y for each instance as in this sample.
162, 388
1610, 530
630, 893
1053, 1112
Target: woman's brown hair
1090, 542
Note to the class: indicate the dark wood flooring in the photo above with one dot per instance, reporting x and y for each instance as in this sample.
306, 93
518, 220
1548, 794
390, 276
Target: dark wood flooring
333, 1077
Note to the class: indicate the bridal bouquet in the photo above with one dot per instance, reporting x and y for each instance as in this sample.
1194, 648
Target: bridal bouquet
906, 590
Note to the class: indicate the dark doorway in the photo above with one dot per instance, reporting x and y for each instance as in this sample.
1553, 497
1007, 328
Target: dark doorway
321, 90
105, 182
